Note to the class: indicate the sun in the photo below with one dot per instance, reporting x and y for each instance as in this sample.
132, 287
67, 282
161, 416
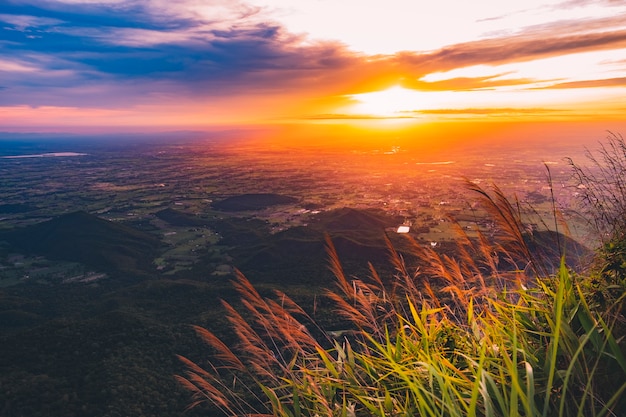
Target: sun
392, 102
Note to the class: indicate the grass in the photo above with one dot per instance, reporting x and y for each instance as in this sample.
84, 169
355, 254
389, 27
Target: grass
489, 332
602, 187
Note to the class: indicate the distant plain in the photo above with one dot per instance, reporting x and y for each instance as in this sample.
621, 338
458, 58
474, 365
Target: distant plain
108, 253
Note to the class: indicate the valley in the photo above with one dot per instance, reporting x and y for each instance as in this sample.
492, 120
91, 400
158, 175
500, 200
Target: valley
109, 253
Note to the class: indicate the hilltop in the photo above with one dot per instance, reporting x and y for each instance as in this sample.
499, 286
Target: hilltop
298, 253
250, 202
95, 242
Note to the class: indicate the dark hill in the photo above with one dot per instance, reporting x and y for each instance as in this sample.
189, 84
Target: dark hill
249, 202
180, 219
89, 240
351, 220
241, 232
16, 208
299, 253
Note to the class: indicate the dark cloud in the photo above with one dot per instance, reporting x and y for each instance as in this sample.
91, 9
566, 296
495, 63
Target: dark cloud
133, 14
74, 47
514, 49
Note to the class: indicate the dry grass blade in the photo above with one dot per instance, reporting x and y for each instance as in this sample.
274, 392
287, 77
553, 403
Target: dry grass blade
395, 258
191, 366
223, 352
349, 311
508, 217
335, 265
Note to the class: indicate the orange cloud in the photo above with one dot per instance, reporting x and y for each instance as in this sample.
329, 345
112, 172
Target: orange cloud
606, 82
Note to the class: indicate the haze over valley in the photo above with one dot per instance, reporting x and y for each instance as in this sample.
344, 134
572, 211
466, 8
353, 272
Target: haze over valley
145, 237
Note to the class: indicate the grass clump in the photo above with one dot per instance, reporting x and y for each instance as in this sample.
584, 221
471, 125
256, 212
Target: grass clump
484, 333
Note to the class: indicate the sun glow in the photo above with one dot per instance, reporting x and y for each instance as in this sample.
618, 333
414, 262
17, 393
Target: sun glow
392, 102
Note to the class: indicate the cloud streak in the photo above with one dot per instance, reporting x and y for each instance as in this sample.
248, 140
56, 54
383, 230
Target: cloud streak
519, 48
607, 82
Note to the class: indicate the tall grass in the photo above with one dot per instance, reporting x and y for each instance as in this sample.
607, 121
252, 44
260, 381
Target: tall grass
484, 333
602, 189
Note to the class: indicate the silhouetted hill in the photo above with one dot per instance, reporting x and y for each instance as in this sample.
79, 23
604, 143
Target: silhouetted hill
351, 220
89, 240
179, 218
247, 202
298, 254
241, 232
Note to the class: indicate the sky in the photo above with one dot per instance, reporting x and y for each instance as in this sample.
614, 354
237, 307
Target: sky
86, 65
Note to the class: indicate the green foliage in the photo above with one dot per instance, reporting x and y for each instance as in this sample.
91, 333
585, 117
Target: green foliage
613, 255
